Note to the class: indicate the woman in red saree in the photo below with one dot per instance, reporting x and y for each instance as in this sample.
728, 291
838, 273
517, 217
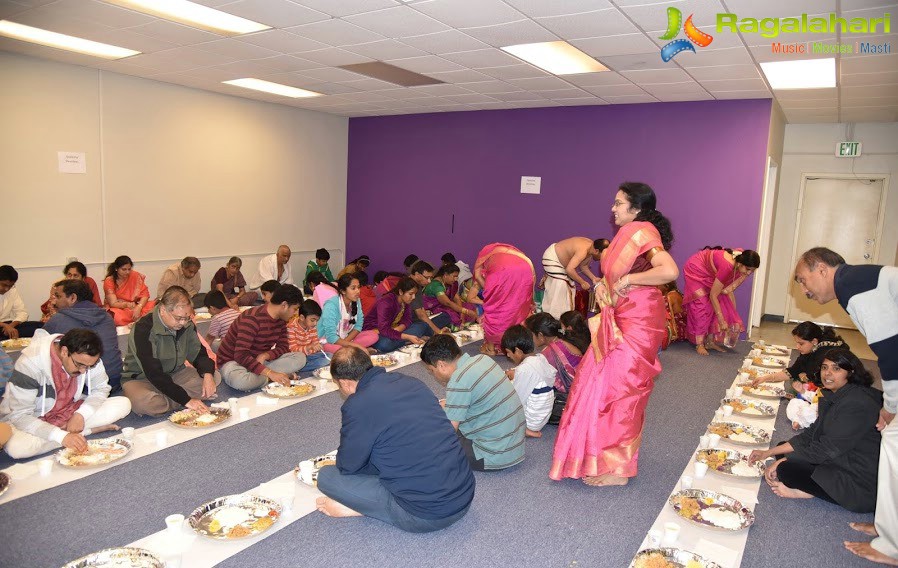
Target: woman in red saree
712, 275
127, 297
506, 276
601, 428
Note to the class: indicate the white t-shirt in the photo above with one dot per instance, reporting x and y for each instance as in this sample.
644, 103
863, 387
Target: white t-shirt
533, 380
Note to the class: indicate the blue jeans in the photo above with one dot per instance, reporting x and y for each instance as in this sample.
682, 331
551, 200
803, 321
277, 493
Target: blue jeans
365, 494
385, 344
421, 329
315, 361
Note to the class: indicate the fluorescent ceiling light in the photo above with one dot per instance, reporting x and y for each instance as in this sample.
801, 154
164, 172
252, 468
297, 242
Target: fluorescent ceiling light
556, 57
273, 88
801, 74
194, 15
62, 41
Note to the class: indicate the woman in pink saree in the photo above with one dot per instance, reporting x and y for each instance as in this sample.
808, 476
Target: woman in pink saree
712, 275
506, 276
601, 428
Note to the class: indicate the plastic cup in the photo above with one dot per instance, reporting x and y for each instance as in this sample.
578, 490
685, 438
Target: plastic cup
161, 438
305, 470
174, 523
244, 413
713, 440
232, 404
671, 533
737, 392
743, 377
287, 503
704, 441
701, 468
323, 383
45, 467
654, 538
686, 482
128, 432
718, 415
727, 410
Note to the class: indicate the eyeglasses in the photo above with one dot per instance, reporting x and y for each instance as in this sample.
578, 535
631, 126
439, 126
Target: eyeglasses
82, 367
180, 319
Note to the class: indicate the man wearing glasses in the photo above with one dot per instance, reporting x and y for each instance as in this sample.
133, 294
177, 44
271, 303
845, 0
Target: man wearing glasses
45, 402
156, 378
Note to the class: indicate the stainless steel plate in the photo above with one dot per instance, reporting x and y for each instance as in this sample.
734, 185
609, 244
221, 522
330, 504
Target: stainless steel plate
758, 435
118, 558
4, 483
297, 388
730, 459
384, 361
677, 556
321, 461
188, 418
101, 452
765, 391
323, 373
695, 505
215, 519
743, 406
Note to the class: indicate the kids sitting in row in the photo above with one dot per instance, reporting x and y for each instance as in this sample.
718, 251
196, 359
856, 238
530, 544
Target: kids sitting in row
302, 336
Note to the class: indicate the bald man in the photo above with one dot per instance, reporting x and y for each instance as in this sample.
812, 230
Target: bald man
562, 263
274, 267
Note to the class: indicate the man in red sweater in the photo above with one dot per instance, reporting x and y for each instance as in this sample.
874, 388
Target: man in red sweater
255, 349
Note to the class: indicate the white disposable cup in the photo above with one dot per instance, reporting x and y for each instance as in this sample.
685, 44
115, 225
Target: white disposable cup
731, 393
718, 415
323, 383
161, 438
654, 539
45, 466
173, 561
743, 377
306, 468
737, 392
686, 482
701, 468
128, 432
174, 523
704, 441
244, 413
727, 410
671, 533
713, 440
287, 503
232, 404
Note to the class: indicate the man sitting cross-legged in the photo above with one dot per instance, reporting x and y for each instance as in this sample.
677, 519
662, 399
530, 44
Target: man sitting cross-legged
44, 401
256, 350
399, 460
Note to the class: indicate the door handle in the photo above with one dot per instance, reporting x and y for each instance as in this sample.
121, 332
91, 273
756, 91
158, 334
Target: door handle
867, 256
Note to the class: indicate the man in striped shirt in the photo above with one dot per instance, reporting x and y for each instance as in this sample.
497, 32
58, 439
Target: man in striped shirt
480, 402
255, 349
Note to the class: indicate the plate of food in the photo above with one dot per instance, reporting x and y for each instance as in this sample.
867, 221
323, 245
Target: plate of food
234, 516
4, 483
296, 389
323, 373
122, 557
747, 407
194, 419
410, 349
99, 452
384, 360
15, 344
711, 509
463, 337
317, 464
670, 558
730, 462
768, 363
203, 316
765, 390
740, 433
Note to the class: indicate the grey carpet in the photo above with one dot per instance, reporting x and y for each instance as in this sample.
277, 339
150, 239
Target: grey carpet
519, 516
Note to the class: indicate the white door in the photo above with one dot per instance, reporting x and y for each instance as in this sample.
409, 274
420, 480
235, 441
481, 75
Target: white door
843, 214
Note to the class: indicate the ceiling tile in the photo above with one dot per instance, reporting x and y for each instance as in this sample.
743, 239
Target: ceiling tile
869, 64
395, 22
543, 8
584, 102
811, 116
540, 83
615, 90
630, 99
779, 9
131, 40
706, 57
445, 42
515, 33
589, 24
175, 33
653, 17
765, 53
463, 76
669, 89
807, 94
469, 99
369, 84
562, 94
860, 79
279, 40
592, 79
237, 49
521, 71
517, 96
678, 97
330, 75
872, 114
635, 62
734, 84
279, 64
470, 13
869, 91
489, 87
368, 97
481, 58
627, 44
874, 42
726, 95
334, 56
656, 76
720, 72
823, 104
405, 93
330, 88
99, 13
442, 90
386, 49
274, 13
426, 64
338, 33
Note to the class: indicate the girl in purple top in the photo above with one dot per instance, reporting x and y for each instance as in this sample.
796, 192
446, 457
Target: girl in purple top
391, 316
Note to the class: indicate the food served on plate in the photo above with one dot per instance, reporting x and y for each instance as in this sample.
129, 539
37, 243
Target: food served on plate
323, 373
768, 362
317, 464
15, 344
766, 390
297, 388
729, 462
749, 407
126, 557
4, 482
384, 360
194, 419
739, 433
235, 516
203, 316
99, 452
670, 558
711, 509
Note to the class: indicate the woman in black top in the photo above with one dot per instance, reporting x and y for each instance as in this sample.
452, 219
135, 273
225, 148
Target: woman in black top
812, 343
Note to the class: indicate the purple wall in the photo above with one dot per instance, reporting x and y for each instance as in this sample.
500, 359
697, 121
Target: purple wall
409, 174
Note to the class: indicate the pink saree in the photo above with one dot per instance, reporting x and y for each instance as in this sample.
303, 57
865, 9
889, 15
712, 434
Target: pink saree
700, 272
508, 288
601, 428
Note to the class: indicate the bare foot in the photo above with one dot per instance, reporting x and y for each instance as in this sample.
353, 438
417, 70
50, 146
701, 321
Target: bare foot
532, 433
788, 492
700, 349
488, 349
865, 550
106, 428
716, 347
605, 480
332, 508
868, 529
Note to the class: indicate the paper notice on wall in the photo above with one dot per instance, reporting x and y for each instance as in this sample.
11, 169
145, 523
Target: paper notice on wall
530, 184
72, 162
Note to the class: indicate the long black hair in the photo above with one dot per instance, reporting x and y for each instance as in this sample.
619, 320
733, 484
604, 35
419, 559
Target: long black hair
747, 258
845, 359
810, 331
642, 197
343, 284
315, 277
112, 269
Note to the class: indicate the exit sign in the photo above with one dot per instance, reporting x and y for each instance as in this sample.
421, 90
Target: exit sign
848, 149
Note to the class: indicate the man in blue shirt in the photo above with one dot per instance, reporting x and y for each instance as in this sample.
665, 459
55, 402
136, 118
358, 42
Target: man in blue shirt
399, 460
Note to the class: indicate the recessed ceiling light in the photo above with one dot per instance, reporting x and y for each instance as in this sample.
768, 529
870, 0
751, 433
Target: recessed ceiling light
801, 74
273, 88
62, 41
556, 57
194, 15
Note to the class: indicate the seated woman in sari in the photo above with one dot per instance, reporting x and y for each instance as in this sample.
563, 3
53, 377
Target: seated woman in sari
837, 457
391, 316
438, 298
73, 271
601, 429
712, 276
127, 297
506, 277
563, 347
230, 281
342, 319
358, 265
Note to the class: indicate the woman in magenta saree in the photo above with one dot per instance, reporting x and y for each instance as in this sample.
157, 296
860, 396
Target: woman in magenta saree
506, 276
712, 276
601, 429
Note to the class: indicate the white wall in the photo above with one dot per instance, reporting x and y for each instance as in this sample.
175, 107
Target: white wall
810, 148
171, 172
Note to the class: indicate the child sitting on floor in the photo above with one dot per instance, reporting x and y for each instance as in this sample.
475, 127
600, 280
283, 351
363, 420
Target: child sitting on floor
223, 315
267, 289
533, 378
302, 336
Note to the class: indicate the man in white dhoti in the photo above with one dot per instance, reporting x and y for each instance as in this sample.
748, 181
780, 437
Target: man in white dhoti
561, 263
